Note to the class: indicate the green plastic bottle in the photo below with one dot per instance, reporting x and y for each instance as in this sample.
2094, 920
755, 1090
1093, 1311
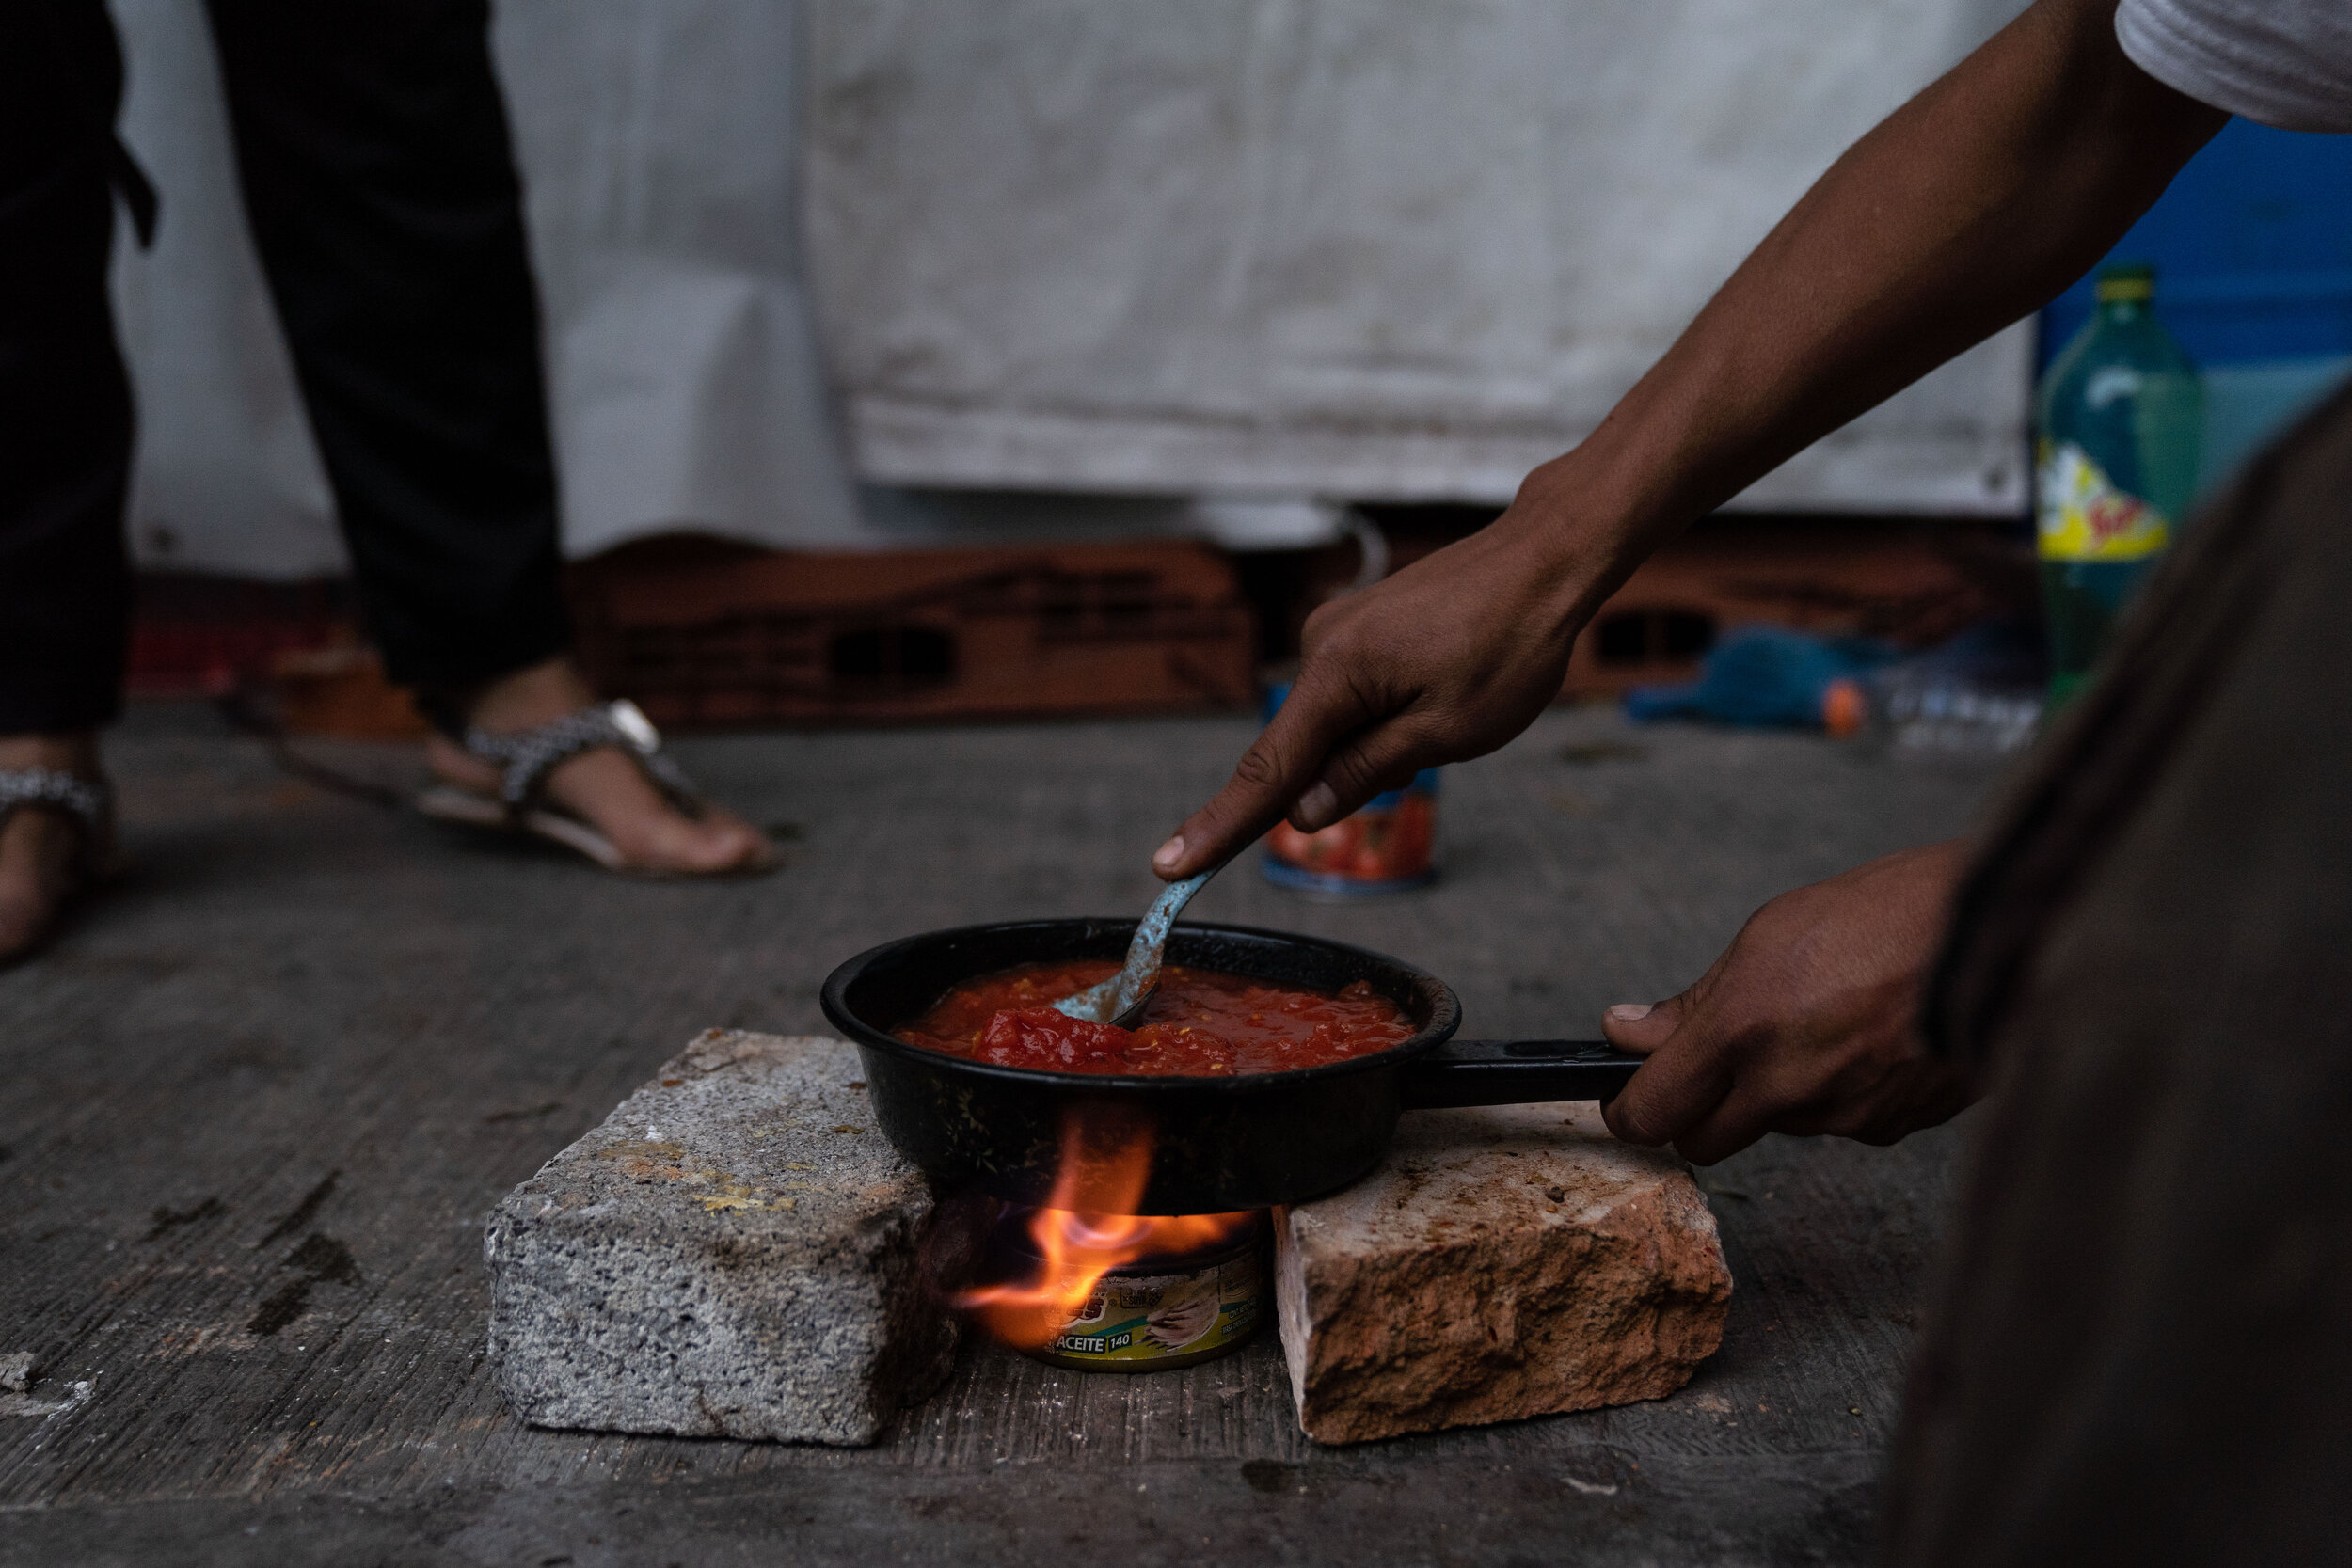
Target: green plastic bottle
2121, 415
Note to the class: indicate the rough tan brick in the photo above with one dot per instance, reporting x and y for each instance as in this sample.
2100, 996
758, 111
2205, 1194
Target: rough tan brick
1504, 1262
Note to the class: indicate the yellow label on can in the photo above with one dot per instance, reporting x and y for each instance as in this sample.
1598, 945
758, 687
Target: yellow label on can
1132, 1319
2082, 515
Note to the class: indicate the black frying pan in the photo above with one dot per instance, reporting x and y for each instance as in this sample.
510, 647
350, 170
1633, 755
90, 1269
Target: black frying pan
1218, 1144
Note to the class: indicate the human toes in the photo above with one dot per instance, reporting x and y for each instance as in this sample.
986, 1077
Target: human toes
25, 912
718, 841
652, 834
35, 878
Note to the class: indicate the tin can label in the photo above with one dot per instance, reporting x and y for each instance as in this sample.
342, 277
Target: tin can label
2084, 517
1388, 844
1133, 1319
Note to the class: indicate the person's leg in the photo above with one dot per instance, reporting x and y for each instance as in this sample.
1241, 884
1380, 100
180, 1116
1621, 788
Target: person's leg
64, 436
378, 177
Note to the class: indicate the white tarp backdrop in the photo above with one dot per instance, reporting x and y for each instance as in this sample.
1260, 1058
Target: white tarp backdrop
1362, 248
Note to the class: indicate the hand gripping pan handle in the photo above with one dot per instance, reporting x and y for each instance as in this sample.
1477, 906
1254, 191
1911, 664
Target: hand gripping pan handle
1516, 1072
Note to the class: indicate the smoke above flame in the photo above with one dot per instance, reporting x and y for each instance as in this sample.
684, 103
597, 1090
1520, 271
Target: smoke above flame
1088, 1229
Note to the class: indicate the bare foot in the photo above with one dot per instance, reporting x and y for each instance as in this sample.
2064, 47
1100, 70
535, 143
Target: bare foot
602, 787
40, 846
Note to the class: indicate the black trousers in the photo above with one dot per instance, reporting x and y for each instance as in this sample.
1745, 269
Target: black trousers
379, 184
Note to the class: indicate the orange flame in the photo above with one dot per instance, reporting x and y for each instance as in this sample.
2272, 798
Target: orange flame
1086, 1230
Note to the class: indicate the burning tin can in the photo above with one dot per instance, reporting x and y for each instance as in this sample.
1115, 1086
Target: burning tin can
1156, 1313
1387, 846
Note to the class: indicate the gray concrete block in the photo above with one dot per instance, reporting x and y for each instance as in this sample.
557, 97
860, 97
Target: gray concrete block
733, 1254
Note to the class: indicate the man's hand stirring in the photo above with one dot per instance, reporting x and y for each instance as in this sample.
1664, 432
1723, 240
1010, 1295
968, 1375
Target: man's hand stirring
1401, 676
1807, 1024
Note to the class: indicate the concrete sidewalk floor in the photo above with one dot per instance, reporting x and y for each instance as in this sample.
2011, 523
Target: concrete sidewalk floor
257, 1104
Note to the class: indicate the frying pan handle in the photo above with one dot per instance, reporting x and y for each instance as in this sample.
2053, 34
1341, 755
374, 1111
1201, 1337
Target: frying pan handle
1516, 1072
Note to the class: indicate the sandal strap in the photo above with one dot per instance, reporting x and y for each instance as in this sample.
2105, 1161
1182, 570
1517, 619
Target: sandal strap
49, 787
527, 756
90, 805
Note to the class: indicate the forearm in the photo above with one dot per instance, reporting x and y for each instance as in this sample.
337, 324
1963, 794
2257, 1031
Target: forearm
1971, 205
1968, 208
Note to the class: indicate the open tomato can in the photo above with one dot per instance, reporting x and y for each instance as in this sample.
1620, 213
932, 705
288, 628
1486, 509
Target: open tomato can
1154, 1313
1387, 846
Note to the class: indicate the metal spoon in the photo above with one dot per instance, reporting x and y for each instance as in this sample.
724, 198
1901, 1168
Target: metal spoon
1121, 1000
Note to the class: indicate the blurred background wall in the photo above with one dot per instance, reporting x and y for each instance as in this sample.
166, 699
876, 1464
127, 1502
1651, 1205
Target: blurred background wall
1372, 248
855, 271
1262, 248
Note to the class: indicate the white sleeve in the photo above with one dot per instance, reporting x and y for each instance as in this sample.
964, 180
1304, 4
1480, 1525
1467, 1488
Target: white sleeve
2287, 63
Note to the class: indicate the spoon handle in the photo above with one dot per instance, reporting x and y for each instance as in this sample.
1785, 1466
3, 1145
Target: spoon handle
1151, 930
1124, 993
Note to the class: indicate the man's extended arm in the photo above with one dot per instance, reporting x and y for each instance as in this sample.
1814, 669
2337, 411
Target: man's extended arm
1971, 205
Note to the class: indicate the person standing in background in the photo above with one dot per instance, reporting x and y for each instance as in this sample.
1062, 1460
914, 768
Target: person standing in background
379, 184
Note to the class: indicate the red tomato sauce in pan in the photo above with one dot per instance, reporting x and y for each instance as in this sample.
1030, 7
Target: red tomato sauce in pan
1199, 1024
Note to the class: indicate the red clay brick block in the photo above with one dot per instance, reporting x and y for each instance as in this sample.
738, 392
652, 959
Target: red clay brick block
1504, 1262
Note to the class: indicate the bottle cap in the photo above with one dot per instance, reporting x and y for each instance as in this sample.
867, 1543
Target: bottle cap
1844, 709
2126, 280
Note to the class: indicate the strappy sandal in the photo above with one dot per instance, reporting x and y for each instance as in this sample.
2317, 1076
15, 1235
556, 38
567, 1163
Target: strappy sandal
90, 807
525, 757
